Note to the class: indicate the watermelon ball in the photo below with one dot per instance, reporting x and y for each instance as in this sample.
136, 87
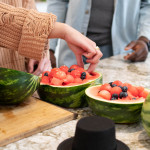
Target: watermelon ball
123, 94
115, 90
124, 89
105, 94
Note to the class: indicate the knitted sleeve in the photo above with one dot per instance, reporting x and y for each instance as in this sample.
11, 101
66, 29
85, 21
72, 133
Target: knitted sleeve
25, 31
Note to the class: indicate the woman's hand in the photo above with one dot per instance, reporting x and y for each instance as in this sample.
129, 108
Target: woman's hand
37, 68
79, 44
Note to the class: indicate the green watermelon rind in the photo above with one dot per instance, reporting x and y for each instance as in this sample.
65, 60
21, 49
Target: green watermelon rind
118, 112
145, 115
67, 96
16, 86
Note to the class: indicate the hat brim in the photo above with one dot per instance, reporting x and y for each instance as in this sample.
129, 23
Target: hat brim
67, 145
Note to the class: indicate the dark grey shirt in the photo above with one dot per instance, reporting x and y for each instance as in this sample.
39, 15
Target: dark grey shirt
99, 29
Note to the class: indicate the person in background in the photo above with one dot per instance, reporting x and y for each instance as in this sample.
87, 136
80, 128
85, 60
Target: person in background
27, 30
117, 26
12, 60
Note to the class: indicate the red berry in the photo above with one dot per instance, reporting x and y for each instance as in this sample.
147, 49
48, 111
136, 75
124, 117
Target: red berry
76, 73
64, 68
105, 94
105, 86
115, 90
117, 82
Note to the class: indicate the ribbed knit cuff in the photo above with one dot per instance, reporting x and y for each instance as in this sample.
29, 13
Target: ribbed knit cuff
35, 31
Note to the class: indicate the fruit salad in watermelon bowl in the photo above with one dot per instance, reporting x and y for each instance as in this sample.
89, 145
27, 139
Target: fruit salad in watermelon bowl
121, 102
65, 86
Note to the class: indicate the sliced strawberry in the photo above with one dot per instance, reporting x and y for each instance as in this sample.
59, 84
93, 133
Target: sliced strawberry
106, 87
64, 68
133, 90
105, 94
117, 82
60, 75
115, 90
56, 81
76, 73
74, 67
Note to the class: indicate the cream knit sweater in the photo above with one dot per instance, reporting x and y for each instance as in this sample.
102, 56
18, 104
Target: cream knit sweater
24, 31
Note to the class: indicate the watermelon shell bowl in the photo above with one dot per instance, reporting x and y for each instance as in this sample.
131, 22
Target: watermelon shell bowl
16, 86
65, 86
121, 102
145, 115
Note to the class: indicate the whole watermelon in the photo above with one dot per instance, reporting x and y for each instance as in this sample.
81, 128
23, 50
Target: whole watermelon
16, 86
145, 115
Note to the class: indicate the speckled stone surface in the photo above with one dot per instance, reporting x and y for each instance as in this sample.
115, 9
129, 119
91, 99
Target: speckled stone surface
134, 135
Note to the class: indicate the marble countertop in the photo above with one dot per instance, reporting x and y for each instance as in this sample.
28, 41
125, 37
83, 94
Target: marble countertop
134, 135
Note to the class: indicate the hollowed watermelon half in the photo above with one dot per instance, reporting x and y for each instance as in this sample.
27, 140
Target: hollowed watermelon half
16, 86
120, 111
145, 115
72, 96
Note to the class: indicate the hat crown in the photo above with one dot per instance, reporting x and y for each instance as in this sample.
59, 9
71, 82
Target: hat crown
94, 133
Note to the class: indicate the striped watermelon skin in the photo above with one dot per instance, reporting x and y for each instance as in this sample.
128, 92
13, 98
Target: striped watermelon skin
118, 112
67, 96
145, 115
16, 86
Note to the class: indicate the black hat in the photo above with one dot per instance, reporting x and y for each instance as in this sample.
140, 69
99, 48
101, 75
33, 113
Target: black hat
93, 133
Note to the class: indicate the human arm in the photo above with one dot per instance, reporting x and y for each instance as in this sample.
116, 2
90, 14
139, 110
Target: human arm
59, 8
139, 46
79, 44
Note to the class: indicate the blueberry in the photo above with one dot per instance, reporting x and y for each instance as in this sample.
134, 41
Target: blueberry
113, 85
83, 77
70, 70
115, 96
83, 74
110, 83
123, 94
124, 89
45, 74
120, 86
134, 98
